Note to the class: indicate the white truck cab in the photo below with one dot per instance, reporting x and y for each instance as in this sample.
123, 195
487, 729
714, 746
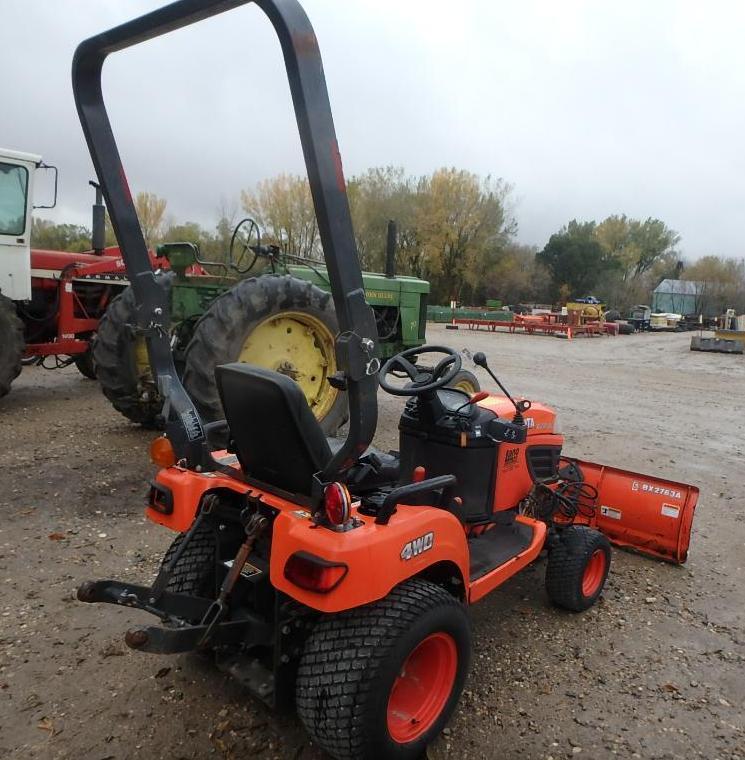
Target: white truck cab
16, 193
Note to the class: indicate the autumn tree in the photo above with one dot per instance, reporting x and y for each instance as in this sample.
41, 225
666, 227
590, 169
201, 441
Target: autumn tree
636, 245
463, 226
283, 208
151, 211
377, 195
723, 283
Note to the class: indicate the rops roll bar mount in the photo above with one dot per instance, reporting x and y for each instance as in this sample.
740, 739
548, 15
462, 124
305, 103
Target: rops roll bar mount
355, 344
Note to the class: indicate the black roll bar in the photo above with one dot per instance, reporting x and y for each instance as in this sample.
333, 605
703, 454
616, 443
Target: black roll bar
355, 345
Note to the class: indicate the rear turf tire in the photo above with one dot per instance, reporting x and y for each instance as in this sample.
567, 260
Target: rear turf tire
195, 572
352, 677
129, 388
577, 569
12, 344
221, 337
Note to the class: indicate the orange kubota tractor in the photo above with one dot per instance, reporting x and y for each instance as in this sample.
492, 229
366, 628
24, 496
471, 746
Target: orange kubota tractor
325, 574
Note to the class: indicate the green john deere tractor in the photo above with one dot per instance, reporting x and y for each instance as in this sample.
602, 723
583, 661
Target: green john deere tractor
278, 315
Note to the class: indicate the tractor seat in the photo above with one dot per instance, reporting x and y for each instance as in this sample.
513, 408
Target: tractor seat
277, 439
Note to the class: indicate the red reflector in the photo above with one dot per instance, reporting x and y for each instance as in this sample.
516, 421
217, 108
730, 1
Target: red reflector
419, 474
337, 502
314, 573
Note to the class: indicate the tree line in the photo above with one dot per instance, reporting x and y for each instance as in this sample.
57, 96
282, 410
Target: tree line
455, 229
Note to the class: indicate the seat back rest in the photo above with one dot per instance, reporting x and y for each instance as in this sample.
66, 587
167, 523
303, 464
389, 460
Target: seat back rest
277, 439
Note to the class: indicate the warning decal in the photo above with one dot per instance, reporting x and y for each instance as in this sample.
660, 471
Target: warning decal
668, 510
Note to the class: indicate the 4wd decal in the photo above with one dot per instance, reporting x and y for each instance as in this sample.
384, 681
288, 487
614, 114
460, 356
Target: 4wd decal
418, 545
511, 458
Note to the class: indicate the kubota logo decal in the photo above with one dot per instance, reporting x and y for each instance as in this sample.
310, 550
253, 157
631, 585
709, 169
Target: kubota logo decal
418, 546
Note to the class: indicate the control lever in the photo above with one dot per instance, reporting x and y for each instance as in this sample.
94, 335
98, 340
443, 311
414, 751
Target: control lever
479, 358
480, 396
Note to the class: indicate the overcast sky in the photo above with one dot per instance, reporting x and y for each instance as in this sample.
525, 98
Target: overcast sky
586, 108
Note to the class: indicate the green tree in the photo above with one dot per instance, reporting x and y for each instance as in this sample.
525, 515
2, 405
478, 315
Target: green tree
576, 260
60, 237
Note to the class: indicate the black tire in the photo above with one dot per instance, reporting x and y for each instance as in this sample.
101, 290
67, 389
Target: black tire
465, 381
612, 315
130, 392
352, 660
624, 328
567, 568
195, 572
12, 344
222, 331
85, 364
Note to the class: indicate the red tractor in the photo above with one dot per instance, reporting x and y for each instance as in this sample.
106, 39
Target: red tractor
50, 301
324, 574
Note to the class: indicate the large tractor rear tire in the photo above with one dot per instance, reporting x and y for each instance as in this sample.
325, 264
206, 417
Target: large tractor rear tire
465, 381
122, 364
277, 322
381, 681
12, 344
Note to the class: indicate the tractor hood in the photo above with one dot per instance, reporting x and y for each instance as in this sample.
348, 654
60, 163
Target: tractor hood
539, 419
58, 260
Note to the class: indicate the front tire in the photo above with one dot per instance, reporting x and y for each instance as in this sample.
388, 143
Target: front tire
85, 364
12, 344
122, 364
382, 680
577, 568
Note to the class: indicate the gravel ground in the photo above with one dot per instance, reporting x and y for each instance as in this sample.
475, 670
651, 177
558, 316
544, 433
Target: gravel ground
654, 671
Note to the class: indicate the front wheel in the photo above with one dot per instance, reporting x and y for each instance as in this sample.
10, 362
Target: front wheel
577, 568
381, 681
12, 344
85, 364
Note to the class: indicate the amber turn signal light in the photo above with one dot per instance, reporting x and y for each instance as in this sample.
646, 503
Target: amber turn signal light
162, 453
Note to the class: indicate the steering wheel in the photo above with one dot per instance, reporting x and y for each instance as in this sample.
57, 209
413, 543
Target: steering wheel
422, 380
244, 240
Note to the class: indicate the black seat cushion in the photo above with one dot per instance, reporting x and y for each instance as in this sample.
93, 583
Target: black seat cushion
277, 439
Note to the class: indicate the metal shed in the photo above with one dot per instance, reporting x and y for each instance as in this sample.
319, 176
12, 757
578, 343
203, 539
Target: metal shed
679, 297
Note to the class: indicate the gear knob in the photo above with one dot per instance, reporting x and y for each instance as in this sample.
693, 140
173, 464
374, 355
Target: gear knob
479, 358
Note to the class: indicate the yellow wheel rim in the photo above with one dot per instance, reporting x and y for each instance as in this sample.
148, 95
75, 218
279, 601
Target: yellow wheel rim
142, 360
300, 346
466, 386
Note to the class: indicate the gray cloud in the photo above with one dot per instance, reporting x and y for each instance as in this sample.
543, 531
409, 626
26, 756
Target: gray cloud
586, 108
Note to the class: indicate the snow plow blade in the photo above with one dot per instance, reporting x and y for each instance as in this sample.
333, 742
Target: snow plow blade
650, 515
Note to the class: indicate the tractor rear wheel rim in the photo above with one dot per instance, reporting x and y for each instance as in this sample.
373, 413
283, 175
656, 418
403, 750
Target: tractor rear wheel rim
422, 688
301, 346
594, 574
466, 386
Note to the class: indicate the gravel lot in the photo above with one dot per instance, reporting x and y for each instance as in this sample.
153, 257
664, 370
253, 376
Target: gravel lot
656, 670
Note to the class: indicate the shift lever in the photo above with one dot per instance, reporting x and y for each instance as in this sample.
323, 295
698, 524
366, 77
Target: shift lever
479, 358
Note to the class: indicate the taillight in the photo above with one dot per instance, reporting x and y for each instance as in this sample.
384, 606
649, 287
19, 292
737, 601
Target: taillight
314, 573
337, 503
